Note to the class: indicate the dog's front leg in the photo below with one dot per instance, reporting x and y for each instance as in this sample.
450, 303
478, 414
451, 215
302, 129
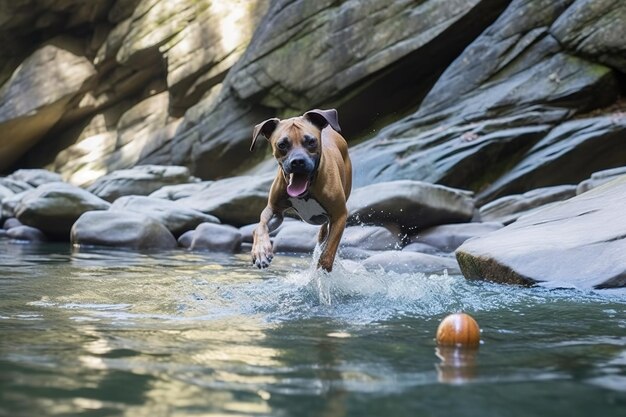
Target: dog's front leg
262, 253
336, 227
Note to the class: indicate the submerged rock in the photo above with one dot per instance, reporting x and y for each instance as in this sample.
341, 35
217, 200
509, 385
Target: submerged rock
123, 229
54, 207
411, 262
177, 218
410, 205
576, 243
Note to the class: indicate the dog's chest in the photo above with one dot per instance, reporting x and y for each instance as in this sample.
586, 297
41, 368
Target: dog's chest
309, 210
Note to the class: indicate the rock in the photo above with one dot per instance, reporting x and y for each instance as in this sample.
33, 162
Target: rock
509, 208
448, 237
599, 178
594, 28
16, 186
409, 205
296, 237
236, 201
140, 180
123, 229
11, 222
26, 234
25, 179
422, 248
569, 154
54, 207
186, 238
354, 253
247, 230
36, 96
176, 192
216, 238
9, 204
500, 97
565, 245
178, 219
403, 262
362, 75
371, 238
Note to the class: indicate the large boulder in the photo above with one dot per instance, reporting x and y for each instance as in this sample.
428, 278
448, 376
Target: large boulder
403, 262
410, 205
36, 96
296, 237
236, 201
177, 218
371, 238
448, 237
507, 90
140, 180
569, 154
54, 207
576, 243
213, 237
123, 229
33, 177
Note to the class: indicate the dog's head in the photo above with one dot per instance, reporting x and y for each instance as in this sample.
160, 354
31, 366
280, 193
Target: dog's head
297, 145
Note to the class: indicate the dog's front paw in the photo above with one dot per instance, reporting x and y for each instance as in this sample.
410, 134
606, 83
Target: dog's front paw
262, 255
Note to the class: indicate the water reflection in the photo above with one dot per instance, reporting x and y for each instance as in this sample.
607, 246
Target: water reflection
458, 364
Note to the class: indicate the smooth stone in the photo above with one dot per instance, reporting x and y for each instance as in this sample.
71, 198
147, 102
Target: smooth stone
599, 178
11, 222
577, 243
176, 192
216, 238
54, 207
34, 177
410, 205
403, 262
177, 218
123, 229
448, 237
509, 208
422, 248
296, 237
373, 238
26, 234
185, 239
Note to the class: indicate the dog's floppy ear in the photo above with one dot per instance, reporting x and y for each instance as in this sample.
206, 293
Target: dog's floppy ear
265, 128
323, 118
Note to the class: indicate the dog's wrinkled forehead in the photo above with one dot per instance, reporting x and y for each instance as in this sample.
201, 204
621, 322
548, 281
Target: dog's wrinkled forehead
295, 129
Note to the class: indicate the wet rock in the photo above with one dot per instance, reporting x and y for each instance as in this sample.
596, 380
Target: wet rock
248, 230
236, 201
569, 154
411, 262
26, 234
15, 186
373, 238
422, 248
178, 219
25, 179
11, 222
140, 180
410, 205
185, 239
599, 178
354, 253
509, 208
296, 237
565, 245
123, 229
36, 96
448, 237
9, 204
215, 238
54, 207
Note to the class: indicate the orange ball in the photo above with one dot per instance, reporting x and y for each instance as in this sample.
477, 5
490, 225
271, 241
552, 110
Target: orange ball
458, 330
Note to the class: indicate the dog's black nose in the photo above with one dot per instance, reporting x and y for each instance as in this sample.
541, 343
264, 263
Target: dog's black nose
297, 164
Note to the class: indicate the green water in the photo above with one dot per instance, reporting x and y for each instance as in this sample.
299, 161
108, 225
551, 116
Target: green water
102, 333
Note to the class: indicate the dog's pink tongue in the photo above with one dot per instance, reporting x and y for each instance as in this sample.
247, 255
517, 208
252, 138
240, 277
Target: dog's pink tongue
298, 184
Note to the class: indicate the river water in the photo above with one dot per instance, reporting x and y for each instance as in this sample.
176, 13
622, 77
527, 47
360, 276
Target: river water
116, 333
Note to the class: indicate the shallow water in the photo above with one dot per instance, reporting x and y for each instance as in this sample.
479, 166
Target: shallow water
103, 333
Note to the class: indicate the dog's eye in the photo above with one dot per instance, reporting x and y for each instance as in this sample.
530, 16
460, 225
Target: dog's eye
310, 142
282, 145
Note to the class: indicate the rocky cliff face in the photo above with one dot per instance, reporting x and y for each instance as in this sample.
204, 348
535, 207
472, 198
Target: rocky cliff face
496, 96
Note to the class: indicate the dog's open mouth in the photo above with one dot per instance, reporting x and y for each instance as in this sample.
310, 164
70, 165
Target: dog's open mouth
298, 184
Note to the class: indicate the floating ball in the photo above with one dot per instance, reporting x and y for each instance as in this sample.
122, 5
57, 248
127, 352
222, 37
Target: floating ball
458, 330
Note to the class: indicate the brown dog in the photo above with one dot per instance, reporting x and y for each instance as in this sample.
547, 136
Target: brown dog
314, 178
